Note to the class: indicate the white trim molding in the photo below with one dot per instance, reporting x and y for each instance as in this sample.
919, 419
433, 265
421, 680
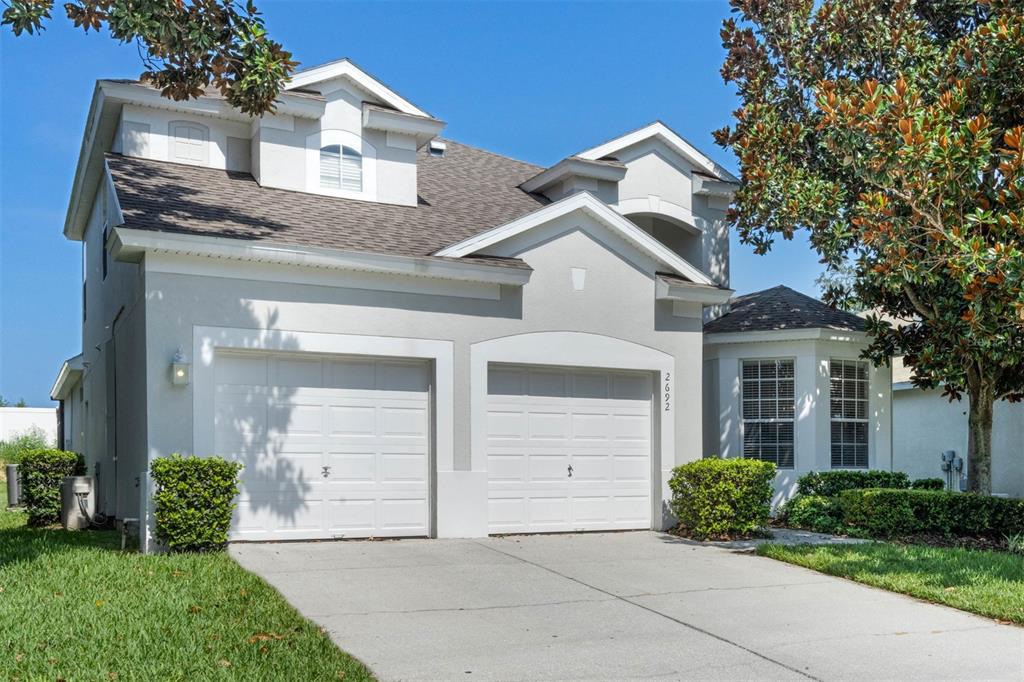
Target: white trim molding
653, 205
670, 138
816, 334
587, 203
665, 290
130, 245
345, 68
390, 121
70, 372
574, 167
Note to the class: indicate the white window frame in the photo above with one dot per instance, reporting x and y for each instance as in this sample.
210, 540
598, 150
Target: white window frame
342, 138
767, 420
173, 136
834, 420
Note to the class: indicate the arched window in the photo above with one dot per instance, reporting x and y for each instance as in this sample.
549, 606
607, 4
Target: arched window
341, 167
189, 142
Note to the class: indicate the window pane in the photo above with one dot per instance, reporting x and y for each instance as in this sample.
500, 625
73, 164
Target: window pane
768, 410
352, 170
330, 167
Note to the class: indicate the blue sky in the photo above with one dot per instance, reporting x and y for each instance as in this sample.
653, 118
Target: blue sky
537, 81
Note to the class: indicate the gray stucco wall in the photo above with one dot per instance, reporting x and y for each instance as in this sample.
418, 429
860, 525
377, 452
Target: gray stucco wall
618, 301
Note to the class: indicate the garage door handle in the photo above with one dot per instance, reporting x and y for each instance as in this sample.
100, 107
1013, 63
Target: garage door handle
570, 471
326, 471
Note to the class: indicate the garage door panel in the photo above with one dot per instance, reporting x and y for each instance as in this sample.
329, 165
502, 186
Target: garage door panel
506, 468
541, 421
373, 442
402, 467
405, 515
245, 369
506, 425
297, 372
352, 517
548, 426
351, 420
403, 422
548, 510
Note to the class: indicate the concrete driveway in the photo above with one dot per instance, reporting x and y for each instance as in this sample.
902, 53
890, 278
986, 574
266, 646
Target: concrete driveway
618, 606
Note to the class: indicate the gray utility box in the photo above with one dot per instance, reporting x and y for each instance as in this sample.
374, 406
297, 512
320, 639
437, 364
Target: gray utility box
13, 486
76, 488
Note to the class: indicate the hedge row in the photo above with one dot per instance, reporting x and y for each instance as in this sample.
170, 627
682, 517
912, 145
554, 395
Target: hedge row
884, 513
832, 483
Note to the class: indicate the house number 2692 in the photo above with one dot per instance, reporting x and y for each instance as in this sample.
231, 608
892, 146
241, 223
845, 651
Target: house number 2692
668, 391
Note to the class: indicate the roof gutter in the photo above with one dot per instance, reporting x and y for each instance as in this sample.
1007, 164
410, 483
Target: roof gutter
131, 245
769, 336
665, 290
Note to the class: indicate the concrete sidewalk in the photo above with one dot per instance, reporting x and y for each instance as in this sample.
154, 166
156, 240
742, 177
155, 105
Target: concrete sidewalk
618, 606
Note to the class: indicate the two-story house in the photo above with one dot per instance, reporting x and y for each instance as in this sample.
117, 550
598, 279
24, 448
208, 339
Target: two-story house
401, 335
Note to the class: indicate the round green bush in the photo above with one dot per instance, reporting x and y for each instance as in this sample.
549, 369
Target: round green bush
813, 512
722, 498
195, 497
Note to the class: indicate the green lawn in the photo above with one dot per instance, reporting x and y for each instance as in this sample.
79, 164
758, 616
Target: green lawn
73, 606
983, 582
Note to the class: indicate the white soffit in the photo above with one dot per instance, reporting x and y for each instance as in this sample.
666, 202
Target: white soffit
573, 166
594, 207
670, 138
773, 335
70, 371
422, 128
345, 68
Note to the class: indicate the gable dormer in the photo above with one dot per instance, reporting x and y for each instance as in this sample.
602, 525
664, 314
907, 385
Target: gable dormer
661, 183
363, 145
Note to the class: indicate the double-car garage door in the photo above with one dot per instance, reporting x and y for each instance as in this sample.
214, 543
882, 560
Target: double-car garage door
339, 446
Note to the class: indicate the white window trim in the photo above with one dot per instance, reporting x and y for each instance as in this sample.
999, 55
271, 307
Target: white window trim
739, 377
867, 421
342, 138
172, 137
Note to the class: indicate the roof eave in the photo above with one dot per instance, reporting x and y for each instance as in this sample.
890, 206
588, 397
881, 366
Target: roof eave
776, 335
422, 128
687, 291
130, 245
69, 374
584, 168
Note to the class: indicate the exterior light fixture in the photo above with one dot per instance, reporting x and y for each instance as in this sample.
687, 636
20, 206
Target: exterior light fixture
181, 370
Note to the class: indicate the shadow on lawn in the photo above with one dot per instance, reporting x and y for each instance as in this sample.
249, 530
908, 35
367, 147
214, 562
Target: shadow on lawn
20, 543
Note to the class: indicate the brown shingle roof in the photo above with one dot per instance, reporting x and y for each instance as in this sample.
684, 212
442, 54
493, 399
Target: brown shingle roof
781, 308
461, 194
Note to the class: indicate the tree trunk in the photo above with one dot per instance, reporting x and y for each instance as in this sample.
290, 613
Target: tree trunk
979, 439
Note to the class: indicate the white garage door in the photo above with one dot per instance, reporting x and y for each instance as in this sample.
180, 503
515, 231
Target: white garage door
568, 449
333, 446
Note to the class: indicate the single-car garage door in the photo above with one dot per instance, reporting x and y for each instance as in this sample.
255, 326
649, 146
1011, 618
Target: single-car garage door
568, 449
333, 446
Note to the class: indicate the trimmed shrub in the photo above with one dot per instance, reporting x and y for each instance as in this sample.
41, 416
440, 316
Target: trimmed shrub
832, 483
928, 484
41, 473
813, 512
891, 513
195, 497
720, 498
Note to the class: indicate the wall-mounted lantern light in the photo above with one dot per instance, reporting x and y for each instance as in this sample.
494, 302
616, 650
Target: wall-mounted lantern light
181, 370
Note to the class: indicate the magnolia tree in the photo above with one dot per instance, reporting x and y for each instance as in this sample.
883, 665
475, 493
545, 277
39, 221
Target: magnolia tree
890, 130
185, 45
